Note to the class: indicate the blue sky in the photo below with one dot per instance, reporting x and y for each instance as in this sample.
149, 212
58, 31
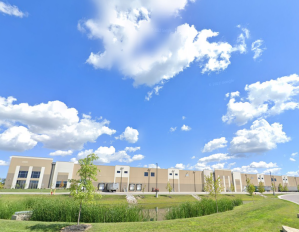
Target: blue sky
80, 77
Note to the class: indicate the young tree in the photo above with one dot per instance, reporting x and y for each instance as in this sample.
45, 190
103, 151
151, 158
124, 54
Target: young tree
83, 189
280, 188
232, 188
213, 187
61, 184
143, 188
273, 187
169, 187
2, 183
250, 188
261, 188
285, 188
298, 187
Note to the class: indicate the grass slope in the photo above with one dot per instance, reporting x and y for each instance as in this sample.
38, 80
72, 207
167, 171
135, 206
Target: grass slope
263, 215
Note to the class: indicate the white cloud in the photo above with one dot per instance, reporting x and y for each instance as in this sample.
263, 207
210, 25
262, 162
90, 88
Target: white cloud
130, 135
294, 154
61, 153
155, 90
132, 149
215, 158
125, 26
54, 124
11, 10
256, 48
185, 128
109, 154
151, 166
180, 166
183, 117
245, 169
215, 144
272, 170
172, 129
193, 157
16, 138
218, 166
292, 159
293, 173
74, 160
231, 164
263, 164
204, 166
261, 137
264, 99
3, 163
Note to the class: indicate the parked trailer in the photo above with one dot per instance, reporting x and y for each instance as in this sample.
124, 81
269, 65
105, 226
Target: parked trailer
112, 187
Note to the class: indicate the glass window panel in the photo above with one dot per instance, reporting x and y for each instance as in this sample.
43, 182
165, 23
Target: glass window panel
146, 174
152, 174
23, 174
35, 174
139, 187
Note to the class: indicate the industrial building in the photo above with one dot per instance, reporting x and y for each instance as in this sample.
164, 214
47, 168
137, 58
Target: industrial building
37, 173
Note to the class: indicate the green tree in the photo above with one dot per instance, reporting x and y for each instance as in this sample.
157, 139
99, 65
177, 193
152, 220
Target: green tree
298, 187
273, 187
250, 188
169, 187
232, 188
213, 187
280, 188
2, 183
143, 188
83, 190
285, 188
1, 186
261, 188
61, 184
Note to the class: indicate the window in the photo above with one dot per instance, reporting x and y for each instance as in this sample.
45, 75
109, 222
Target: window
126, 172
152, 174
132, 187
35, 174
170, 174
118, 171
20, 184
176, 174
33, 184
138, 187
146, 174
23, 174
61, 185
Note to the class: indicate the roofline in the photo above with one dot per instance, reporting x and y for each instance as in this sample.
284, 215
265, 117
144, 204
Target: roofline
30, 157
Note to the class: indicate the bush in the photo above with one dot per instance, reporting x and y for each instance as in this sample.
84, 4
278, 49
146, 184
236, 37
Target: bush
201, 208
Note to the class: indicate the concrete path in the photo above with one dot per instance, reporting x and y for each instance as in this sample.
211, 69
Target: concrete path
291, 197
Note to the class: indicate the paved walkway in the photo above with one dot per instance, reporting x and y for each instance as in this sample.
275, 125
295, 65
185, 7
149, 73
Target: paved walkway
291, 197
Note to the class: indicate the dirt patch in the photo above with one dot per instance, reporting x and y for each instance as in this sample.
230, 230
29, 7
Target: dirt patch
82, 227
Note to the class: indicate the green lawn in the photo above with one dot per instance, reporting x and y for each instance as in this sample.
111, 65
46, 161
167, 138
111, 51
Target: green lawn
163, 201
244, 197
33, 190
263, 215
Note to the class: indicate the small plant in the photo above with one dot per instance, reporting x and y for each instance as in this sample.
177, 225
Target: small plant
169, 187
1, 186
143, 188
213, 186
232, 188
250, 188
285, 188
261, 188
280, 188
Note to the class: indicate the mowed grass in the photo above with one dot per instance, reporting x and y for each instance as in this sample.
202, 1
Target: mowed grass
263, 215
243, 197
163, 201
106, 199
34, 190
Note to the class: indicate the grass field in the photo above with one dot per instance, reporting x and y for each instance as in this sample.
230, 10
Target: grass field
34, 190
262, 215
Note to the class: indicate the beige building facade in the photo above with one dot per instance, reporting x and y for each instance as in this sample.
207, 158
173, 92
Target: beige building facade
37, 173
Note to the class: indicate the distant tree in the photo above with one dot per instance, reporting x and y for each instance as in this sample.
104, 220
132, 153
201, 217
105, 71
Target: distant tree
250, 188
261, 188
61, 184
285, 188
2, 183
83, 189
232, 188
298, 187
169, 187
273, 187
143, 188
213, 187
280, 188
1, 186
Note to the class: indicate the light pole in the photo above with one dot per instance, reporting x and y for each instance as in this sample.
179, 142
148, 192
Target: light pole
273, 185
194, 182
157, 180
296, 183
173, 181
246, 182
149, 173
121, 177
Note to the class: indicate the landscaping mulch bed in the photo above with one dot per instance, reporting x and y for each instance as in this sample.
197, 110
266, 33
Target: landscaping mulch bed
82, 227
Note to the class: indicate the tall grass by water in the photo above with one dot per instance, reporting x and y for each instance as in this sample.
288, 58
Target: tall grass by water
201, 208
66, 210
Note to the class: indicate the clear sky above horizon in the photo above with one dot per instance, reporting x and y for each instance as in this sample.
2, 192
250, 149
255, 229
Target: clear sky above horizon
187, 84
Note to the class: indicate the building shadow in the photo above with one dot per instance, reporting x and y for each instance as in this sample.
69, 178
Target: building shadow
47, 227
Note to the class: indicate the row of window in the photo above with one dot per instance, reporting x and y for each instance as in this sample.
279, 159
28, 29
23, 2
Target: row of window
21, 184
174, 174
61, 184
152, 174
126, 172
24, 174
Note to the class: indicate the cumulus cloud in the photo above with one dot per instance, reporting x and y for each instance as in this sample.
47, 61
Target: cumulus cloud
256, 48
185, 128
245, 169
130, 135
231, 164
263, 164
292, 159
272, 170
74, 160
11, 10
53, 124
261, 137
294, 154
17, 138
61, 153
252, 168
204, 166
151, 166
155, 91
291, 173
180, 166
215, 144
193, 157
172, 129
109, 154
132, 149
125, 27
3, 163
263, 100
215, 158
